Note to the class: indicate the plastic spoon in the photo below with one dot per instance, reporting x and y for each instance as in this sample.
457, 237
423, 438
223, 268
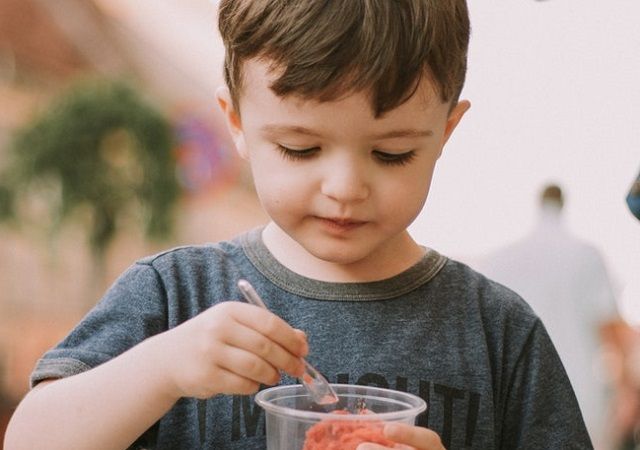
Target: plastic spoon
318, 387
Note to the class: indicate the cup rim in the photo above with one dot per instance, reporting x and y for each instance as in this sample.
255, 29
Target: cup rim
415, 405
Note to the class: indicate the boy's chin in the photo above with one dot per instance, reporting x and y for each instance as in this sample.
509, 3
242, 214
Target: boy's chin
339, 255
336, 258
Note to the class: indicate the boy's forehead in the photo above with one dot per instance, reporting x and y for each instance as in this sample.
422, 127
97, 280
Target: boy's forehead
259, 74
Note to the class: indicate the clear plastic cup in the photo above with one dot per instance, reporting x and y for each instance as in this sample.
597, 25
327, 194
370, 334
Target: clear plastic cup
291, 413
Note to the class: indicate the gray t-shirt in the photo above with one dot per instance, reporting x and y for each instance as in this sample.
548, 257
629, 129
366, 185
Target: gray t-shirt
471, 348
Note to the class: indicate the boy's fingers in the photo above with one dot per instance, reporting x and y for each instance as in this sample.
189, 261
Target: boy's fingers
418, 437
302, 336
248, 365
252, 341
273, 327
232, 383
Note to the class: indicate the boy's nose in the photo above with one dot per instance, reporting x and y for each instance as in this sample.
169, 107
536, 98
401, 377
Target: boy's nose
346, 183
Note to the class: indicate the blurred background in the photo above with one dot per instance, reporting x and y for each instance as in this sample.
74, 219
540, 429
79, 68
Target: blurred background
112, 147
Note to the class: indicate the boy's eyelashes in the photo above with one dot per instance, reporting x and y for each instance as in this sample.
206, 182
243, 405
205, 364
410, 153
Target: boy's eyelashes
390, 159
297, 154
398, 159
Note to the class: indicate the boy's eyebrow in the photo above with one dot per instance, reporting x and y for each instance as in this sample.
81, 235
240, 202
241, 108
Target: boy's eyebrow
408, 132
295, 129
402, 133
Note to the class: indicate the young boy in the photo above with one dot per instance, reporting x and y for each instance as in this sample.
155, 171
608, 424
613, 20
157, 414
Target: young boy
342, 109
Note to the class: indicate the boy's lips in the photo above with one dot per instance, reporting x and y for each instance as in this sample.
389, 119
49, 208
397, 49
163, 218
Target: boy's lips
341, 223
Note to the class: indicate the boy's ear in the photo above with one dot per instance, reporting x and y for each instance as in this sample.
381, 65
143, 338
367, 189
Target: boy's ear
232, 119
454, 118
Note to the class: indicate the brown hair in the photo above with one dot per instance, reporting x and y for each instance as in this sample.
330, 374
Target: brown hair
325, 49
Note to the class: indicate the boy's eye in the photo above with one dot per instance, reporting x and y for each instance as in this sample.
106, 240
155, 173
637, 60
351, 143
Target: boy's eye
296, 154
398, 159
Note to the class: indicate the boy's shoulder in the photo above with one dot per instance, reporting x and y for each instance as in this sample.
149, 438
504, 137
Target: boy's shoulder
492, 300
193, 253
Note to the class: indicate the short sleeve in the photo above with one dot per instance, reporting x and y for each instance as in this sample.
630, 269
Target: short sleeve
541, 409
133, 309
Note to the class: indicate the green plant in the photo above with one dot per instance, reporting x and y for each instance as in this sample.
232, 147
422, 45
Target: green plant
99, 152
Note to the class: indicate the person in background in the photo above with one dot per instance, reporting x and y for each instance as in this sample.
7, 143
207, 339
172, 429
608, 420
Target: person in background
565, 281
624, 341
623, 344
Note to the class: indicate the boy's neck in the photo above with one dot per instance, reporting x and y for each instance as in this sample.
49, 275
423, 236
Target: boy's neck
384, 264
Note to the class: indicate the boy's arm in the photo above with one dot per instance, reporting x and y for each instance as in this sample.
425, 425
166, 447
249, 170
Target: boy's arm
232, 347
107, 407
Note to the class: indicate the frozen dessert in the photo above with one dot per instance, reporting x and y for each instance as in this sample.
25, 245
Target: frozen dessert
334, 434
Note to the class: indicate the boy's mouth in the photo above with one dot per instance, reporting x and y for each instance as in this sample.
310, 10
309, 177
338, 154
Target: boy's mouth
340, 223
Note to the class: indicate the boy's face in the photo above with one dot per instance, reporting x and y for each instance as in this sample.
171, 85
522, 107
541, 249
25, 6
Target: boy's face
341, 183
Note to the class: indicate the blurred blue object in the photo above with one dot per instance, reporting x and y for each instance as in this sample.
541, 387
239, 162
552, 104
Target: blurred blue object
633, 198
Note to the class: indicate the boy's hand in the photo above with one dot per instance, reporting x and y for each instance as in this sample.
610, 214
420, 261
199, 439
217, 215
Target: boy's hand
408, 437
230, 348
